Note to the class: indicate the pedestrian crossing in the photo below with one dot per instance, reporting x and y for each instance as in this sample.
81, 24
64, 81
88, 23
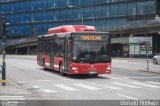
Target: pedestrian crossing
147, 85
113, 87
87, 87
125, 85
64, 87
48, 91
73, 87
154, 82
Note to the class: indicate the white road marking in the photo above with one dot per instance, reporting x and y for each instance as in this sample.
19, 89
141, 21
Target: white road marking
143, 77
112, 77
67, 88
118, 75
112, 87
36, 87
48, 91
44, 80
153, 82
87, 86
12, 98
143, 84
127, 96
125, 85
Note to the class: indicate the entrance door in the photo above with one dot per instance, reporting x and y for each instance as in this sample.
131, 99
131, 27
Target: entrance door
66, 56
51, 54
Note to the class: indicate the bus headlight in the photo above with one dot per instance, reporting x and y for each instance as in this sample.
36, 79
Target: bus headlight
108, 68
74, 68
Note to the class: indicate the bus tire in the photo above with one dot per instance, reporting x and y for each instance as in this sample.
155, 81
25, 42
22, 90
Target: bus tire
61, 70
94, 75
44, 66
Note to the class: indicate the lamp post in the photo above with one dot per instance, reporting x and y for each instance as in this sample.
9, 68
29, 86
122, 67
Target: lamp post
70, 6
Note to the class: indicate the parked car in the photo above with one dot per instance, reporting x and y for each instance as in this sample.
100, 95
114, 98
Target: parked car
156, 59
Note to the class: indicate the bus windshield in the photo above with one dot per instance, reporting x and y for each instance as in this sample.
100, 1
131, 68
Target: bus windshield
91, 52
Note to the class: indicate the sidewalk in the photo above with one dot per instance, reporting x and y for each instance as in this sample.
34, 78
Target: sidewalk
11, 88
136, 64
135, 59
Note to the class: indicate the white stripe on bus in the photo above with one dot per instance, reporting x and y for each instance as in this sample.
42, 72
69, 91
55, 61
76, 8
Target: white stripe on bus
47, 64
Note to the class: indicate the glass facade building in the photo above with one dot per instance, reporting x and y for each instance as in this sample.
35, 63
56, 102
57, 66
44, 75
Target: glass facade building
34, 17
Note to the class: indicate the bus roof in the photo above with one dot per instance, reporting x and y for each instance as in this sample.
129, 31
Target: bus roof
71, 28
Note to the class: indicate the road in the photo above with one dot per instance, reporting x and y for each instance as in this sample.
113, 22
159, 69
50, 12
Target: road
125, 83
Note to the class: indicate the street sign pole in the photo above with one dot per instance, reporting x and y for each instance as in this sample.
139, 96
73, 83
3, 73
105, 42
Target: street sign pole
147, 47
4, 58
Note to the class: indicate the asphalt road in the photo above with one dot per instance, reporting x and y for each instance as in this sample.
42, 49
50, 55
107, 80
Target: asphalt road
125, 83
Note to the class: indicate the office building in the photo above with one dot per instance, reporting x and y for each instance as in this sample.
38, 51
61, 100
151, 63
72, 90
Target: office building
34, 17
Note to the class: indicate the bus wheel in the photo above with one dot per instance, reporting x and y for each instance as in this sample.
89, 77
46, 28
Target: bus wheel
44, 66
61, 70
94, 75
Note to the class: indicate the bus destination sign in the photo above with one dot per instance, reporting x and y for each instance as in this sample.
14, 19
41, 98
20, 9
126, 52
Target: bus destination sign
89, 37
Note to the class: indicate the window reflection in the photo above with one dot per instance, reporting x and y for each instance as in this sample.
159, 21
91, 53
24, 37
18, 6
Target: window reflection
104, 14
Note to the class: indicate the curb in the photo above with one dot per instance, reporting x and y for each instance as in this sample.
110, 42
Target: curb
133, 59
149, 71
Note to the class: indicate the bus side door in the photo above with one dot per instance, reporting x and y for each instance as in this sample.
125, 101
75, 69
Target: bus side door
66, 56
52, 54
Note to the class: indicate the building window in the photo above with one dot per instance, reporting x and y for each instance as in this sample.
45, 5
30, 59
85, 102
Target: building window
132, 9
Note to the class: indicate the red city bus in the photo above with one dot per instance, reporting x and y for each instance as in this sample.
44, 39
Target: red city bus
75, 49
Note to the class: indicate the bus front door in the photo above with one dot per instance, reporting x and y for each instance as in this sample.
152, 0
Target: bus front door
66, 56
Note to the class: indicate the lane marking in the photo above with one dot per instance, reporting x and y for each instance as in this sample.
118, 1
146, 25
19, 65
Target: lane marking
112, 87
12, 98
112, 77
87, 86
48, 91
67, 88
125, 85
143, 77
43, 80
36, 87
126, 96
118, 75
153, 82
143, 84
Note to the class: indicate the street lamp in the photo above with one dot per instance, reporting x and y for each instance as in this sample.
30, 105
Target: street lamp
70, 6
